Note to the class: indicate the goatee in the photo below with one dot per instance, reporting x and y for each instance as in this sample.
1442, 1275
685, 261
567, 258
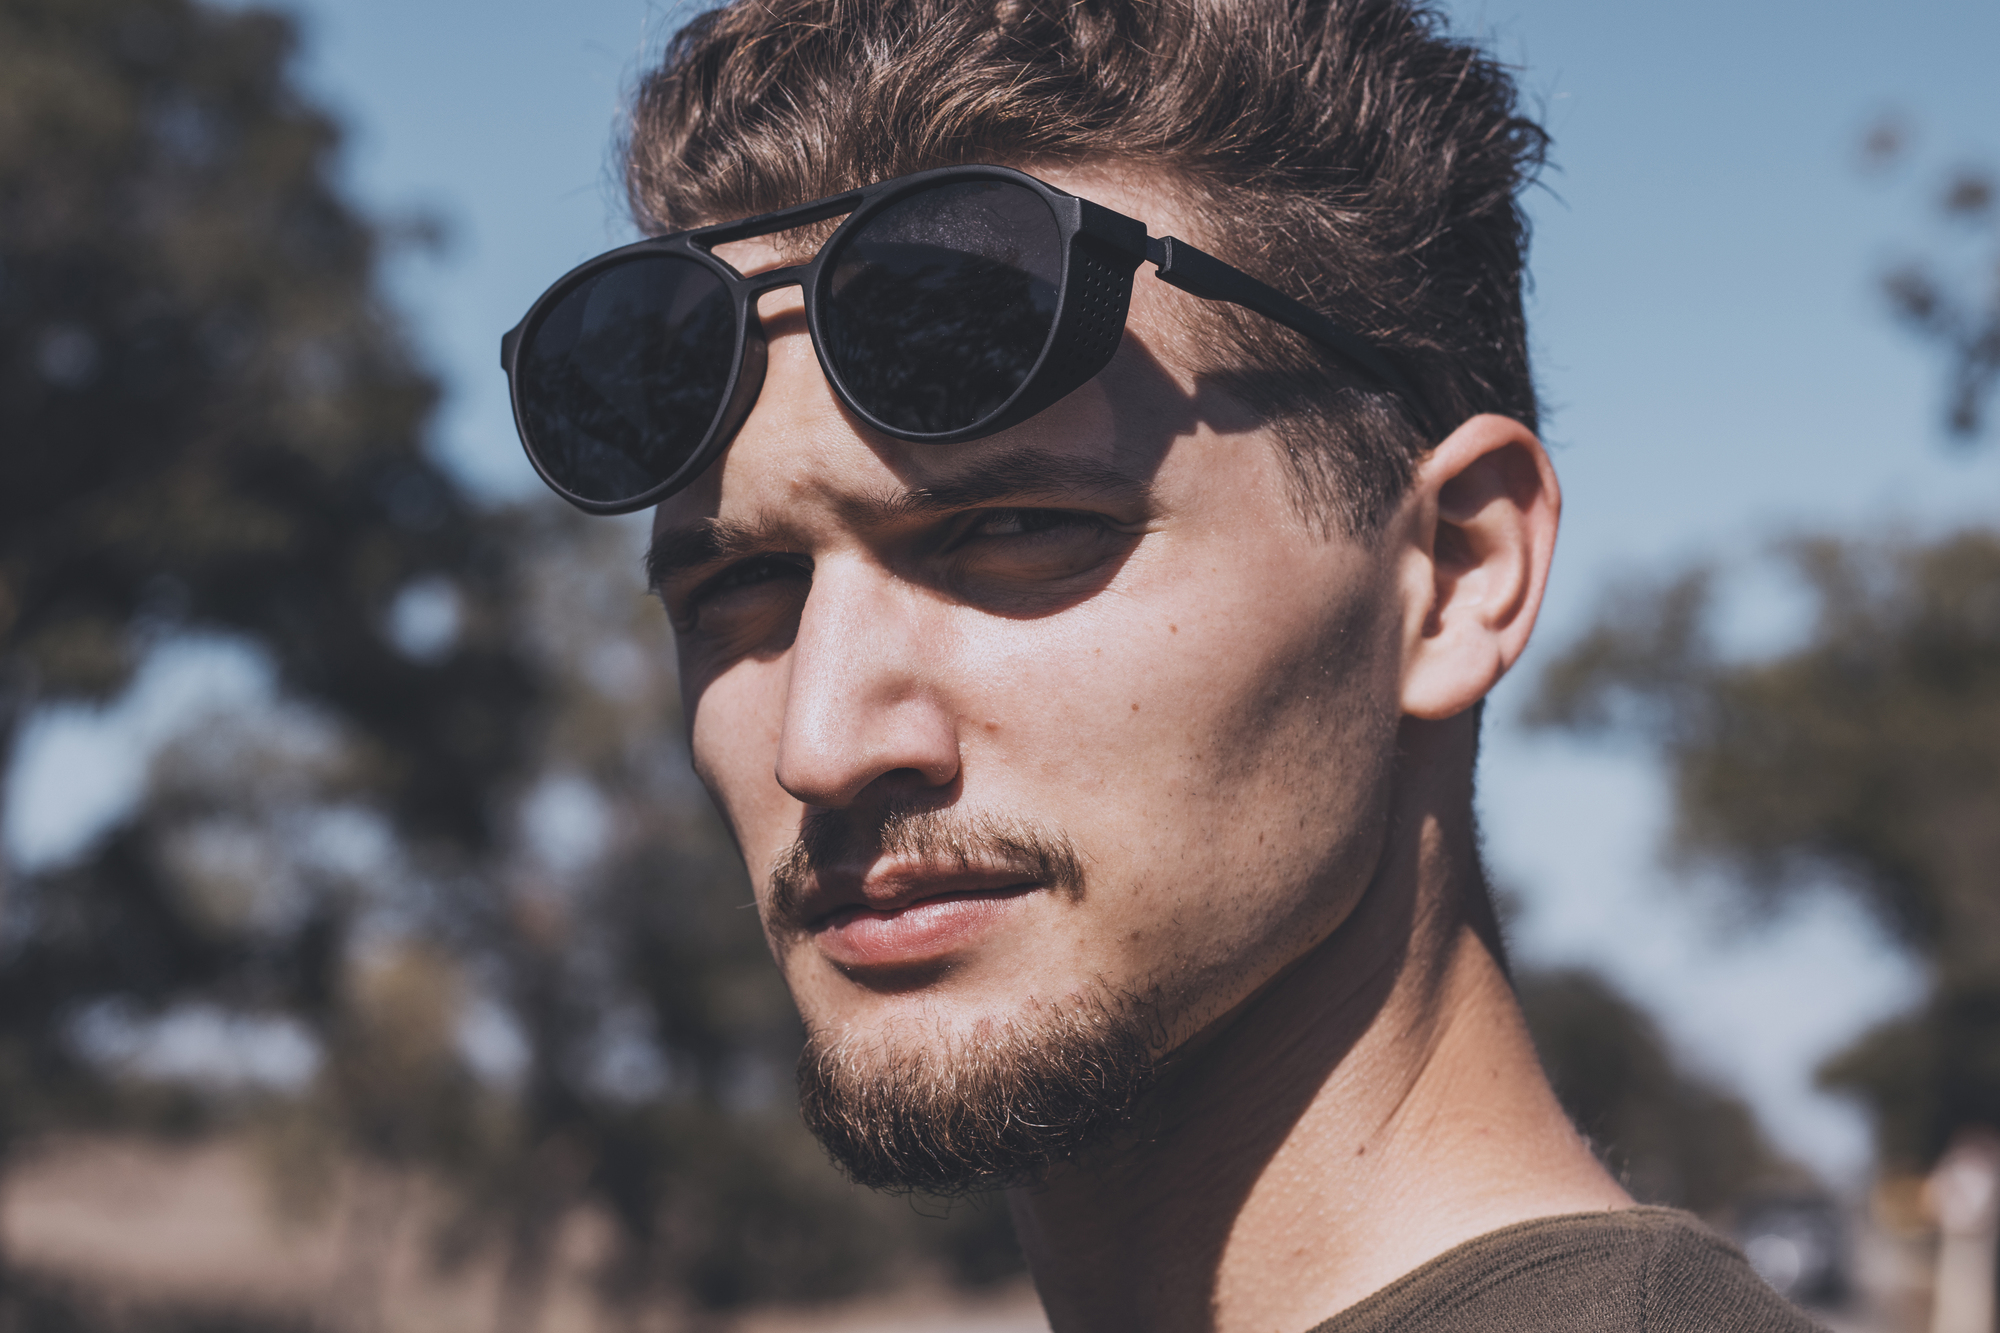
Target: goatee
992, 1110
954, 1112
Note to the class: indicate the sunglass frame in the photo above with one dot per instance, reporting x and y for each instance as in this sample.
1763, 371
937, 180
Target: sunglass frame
1101, 250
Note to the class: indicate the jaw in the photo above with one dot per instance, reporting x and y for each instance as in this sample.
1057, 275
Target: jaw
1214, 730
1122, 944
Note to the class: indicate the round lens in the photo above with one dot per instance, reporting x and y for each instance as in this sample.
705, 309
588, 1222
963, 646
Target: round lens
620, 382
938, 307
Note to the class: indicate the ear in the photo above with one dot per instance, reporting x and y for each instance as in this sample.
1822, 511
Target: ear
1477, 531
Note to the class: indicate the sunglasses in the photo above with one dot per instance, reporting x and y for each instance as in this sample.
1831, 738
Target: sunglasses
948, 306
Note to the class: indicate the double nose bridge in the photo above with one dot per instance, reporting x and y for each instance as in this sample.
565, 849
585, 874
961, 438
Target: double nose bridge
757, 286
771, 279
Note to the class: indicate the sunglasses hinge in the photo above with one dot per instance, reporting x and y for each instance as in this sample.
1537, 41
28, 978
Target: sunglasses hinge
1106, 226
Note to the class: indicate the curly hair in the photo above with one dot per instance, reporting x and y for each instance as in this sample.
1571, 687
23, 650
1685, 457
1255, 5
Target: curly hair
1348, 152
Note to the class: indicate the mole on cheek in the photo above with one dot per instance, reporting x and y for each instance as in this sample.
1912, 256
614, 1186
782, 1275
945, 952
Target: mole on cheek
1135, 708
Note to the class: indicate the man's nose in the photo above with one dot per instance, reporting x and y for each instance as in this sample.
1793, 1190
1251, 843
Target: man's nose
862, 706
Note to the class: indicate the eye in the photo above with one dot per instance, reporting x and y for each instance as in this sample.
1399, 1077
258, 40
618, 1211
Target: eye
999, 557
739, 587
1030, 522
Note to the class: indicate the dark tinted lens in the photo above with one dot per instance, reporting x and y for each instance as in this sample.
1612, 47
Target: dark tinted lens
622, 379
941, 304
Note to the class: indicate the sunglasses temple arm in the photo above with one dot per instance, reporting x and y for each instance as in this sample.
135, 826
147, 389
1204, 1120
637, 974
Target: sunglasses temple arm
1202, 274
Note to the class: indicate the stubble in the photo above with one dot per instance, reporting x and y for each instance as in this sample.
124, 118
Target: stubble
947, 1112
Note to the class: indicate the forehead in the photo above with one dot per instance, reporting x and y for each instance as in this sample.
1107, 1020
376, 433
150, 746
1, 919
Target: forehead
800, 449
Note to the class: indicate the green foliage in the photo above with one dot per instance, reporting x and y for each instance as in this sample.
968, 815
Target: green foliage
211, 424
208, 417
1868, 756
208, 422
1954, 307
1871, 752
1927, 1074
1671, 1137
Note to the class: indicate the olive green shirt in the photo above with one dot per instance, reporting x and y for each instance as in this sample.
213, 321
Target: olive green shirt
1642, 1270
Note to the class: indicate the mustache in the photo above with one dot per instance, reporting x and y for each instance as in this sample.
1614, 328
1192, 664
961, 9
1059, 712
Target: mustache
831, 838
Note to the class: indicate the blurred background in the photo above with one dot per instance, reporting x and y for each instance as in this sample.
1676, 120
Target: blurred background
369, 959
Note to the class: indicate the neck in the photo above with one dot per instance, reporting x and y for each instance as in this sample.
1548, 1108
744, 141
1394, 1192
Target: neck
1376, 1104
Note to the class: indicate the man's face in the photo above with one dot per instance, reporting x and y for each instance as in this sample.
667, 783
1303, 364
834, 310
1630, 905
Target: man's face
1078, 717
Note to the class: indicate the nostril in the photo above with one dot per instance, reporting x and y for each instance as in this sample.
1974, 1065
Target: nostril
907, 748
914, 781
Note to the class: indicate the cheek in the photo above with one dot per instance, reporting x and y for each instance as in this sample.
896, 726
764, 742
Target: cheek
1064, 711
1153, 701
1224, 770
733, 728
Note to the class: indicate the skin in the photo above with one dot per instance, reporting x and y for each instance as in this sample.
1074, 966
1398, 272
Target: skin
1258, 739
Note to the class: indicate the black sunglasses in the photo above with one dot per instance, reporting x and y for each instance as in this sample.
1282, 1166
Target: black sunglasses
949, 305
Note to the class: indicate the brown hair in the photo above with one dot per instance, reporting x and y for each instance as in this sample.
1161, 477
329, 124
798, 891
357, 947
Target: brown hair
1345, 151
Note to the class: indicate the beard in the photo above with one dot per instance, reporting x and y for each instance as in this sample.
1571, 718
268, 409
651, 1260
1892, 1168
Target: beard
992, 1110
951, 1114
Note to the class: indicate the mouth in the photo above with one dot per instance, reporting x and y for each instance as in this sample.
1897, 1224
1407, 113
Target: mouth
916, 923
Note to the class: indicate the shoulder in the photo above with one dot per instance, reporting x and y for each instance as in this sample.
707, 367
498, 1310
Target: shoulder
1646, 1270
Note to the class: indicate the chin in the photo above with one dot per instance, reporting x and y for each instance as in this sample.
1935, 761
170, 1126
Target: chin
950, 1098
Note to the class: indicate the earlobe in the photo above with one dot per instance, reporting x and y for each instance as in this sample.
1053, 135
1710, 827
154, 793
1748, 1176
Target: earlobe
1478, 531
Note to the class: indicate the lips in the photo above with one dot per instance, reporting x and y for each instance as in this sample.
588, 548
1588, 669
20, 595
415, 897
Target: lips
907, 919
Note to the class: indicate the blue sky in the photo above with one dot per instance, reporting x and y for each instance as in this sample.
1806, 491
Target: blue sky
1718, 367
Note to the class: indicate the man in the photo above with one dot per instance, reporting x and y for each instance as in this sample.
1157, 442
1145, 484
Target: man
1095, 702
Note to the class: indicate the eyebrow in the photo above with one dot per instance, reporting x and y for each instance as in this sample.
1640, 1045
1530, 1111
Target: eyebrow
707, 541
1023, 473
1020, 474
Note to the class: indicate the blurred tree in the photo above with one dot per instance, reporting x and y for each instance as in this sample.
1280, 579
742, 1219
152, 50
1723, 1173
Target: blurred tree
1868, 757
469, 795
1670, 1136
1956, 307
208, 420
209, 416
